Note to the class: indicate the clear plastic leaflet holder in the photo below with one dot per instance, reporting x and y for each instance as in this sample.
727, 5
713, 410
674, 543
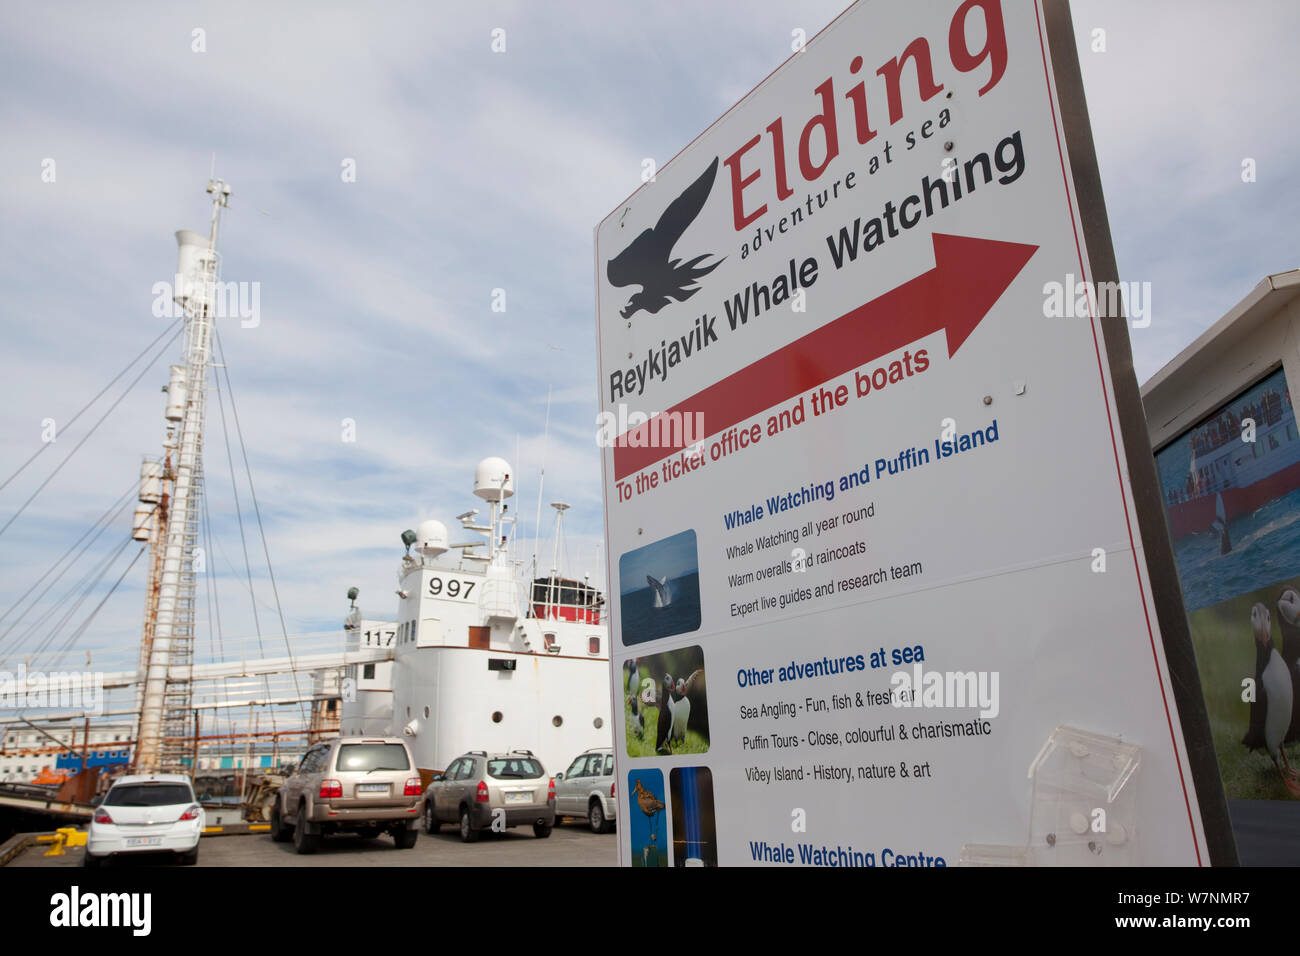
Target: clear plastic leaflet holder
1084, 806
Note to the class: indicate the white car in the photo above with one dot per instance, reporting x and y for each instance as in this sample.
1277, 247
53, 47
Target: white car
587, 789
146, 813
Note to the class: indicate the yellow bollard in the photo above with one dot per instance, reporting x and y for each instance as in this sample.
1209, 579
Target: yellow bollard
59, 839
63, 837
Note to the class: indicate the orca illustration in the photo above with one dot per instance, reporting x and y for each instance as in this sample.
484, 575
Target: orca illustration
646, 261
662, 597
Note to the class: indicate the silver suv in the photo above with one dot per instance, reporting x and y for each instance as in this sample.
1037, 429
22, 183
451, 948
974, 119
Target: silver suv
481, 791
587, 789
361, 784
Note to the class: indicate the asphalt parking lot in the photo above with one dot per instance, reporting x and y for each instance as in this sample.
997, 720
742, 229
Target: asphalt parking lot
570, 845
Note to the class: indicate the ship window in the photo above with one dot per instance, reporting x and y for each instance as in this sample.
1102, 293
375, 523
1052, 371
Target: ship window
496, 716
593, 645
368, 672
426, 711
557, 720
598, 723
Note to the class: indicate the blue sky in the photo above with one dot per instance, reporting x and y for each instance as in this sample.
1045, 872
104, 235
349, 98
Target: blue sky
476, 171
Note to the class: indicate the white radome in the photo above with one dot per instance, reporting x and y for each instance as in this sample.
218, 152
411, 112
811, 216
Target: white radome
431, 538
494, 479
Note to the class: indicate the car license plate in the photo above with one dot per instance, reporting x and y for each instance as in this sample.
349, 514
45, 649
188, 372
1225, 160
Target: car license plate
144, 841
521, 796
372, 788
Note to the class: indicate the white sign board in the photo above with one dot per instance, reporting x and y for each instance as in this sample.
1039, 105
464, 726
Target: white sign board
876, 541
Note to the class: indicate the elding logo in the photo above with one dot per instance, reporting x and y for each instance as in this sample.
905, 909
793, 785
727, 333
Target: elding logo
646, 261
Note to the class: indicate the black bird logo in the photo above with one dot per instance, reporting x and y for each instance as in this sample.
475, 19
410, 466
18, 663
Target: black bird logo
645, 262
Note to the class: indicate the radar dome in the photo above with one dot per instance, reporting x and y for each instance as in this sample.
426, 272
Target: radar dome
431, 538
494, 479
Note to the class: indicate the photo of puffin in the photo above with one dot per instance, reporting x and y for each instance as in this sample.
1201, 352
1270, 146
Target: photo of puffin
1271, 713
679, 703
668, 714
632, 692
665, 726
1288, 619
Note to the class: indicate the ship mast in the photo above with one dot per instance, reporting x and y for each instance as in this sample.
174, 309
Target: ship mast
167, 645
553, 589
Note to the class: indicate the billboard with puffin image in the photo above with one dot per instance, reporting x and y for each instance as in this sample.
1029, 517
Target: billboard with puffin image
1231, 487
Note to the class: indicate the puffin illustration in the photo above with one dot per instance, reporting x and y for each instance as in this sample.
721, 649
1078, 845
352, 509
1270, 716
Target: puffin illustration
1274, 691
1288, 619
631, 683
679, 703
665, 725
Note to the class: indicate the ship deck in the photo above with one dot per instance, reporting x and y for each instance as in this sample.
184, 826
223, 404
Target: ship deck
570, 845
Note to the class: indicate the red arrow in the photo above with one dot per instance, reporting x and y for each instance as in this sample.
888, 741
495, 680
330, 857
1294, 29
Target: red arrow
968, 277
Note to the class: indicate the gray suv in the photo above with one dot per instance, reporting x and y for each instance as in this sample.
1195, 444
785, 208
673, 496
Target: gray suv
481, 791
587, 789
366, 785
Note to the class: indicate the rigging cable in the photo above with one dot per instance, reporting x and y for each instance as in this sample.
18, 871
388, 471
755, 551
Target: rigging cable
97, 397
239, 516
119, 508
67, 645
86, 437
266, 551
91, 579
214, 615
108, 516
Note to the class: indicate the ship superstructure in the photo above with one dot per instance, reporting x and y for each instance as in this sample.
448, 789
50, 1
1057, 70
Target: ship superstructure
481, 659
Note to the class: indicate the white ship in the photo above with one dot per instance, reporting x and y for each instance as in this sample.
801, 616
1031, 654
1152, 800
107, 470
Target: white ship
477, 659
482, 660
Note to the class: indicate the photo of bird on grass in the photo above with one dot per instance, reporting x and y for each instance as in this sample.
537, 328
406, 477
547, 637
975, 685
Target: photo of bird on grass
665, 707
1248, 654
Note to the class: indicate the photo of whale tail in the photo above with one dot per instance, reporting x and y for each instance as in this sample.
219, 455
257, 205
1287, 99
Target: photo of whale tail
1221, 525
663, 597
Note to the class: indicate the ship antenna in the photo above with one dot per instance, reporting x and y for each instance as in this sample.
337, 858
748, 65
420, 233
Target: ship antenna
553, 590
541, 479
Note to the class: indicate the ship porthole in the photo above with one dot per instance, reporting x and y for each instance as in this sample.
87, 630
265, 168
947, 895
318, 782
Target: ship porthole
426, 712
496, 716
557, 720
598, 723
